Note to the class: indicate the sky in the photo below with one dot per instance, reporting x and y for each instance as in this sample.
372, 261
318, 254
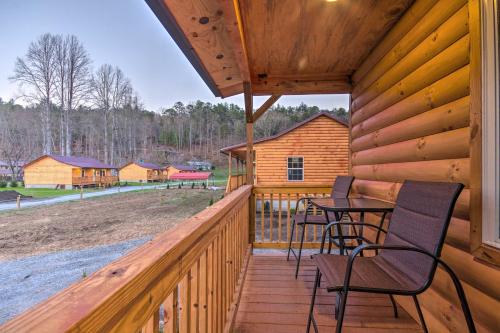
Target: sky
125, 33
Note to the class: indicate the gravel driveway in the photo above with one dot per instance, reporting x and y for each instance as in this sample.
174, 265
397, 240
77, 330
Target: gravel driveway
30, 280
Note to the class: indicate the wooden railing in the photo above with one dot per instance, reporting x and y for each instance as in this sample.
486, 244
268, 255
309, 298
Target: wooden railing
152, 177
235, 181
189, 278
108, 180
94, 180
86, 180
274, 210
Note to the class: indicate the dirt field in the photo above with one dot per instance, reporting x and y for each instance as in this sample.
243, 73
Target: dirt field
104, 220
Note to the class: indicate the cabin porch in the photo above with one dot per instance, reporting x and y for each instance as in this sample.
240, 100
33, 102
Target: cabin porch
206, 275
94, 181
413, 70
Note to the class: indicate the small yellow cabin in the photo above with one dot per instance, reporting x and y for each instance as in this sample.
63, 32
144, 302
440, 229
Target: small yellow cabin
312, 152
141, 172
53, 171
178, 168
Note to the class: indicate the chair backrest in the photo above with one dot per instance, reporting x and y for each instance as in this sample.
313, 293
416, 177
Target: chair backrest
342, 187
420, 219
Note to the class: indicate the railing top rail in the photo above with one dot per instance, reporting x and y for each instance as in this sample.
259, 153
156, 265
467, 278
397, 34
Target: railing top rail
292, 189
297, 185
119, 296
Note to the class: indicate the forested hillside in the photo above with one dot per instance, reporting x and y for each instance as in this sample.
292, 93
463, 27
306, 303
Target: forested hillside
179, 133
73, 110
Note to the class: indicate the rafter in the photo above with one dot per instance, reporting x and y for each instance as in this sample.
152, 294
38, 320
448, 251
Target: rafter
234, 27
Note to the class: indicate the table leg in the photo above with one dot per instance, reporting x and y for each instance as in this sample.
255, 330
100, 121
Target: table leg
340, 235
360, 239
381, 224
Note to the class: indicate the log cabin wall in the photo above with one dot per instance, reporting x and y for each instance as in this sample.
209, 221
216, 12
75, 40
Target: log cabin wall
410, 119
48, 172
322, 142
133, 172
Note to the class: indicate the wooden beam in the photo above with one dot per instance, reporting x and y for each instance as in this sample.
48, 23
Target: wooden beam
267, 104
234, 27
299, 87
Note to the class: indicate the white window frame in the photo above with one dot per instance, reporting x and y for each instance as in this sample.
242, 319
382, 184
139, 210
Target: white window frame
491, 123
287, 168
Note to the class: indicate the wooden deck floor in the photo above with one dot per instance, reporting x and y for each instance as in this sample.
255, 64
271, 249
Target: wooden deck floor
273, 301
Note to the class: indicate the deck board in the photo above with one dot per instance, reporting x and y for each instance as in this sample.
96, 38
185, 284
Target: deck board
273, 300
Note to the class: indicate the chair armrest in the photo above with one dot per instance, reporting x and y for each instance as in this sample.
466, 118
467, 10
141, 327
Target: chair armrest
360, 248
437, 261
332, 224
300, 200
336, 223
363, 247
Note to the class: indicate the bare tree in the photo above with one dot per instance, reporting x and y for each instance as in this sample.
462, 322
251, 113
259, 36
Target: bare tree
72, 72
37, 71
110, 91
61, 57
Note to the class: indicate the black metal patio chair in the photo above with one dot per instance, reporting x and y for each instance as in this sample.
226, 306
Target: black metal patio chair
340, 189
408, 259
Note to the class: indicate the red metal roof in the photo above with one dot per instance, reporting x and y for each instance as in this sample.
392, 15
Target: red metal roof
191, 176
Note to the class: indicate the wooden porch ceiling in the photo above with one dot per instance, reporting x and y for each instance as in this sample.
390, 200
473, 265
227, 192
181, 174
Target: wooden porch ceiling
280, 46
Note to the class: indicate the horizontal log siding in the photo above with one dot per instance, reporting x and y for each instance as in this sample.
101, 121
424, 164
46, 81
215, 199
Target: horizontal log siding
410, 120
48, 171
324, 144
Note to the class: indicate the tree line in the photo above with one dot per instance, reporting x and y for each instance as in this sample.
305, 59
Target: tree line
74, 110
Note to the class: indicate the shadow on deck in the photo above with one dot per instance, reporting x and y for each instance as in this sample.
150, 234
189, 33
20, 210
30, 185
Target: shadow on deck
273, 301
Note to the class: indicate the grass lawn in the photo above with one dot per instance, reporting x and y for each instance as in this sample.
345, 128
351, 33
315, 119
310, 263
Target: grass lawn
95, 221
45, 192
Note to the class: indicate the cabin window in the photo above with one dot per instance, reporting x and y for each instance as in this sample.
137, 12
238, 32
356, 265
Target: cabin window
295, 168
491, 123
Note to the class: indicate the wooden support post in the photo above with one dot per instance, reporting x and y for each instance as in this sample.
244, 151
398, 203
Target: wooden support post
247, 88
81, 192
229, 185
18, 202
249, 130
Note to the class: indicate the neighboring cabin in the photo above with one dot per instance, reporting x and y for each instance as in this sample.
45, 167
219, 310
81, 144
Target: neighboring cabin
141, 172
314, 151
178, 168
6, 170
53, 171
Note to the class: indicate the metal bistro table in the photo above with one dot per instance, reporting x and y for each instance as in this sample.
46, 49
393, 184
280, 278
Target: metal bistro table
352, 205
